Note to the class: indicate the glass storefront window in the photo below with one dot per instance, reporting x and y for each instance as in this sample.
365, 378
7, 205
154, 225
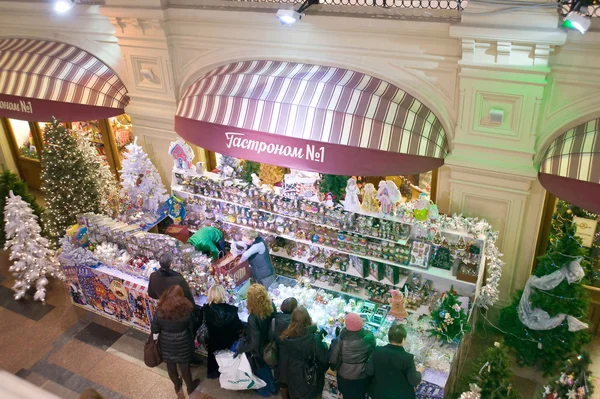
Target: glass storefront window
93, 129
24, 138
122, 131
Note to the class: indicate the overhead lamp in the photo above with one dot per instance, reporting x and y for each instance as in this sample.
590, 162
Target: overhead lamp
62, 6
289, 16
575, 20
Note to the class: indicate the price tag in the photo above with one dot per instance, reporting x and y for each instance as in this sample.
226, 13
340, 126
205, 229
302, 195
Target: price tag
585, 229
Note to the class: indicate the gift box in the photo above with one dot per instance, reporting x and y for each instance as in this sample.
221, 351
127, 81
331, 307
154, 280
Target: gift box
466, 273
377, 270
392, 273
239, 272
179, 232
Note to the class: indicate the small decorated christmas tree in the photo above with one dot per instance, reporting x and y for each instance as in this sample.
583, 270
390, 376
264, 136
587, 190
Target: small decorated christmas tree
334, 184
546, 322
9, 181
67, 180
249, 168
574, 381
449, 321
229, 167
491, 375
142, 188
32, 260
270, 174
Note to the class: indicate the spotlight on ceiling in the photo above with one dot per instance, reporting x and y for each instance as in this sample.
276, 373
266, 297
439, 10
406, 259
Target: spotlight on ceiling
62, 6
575, 20
289, 16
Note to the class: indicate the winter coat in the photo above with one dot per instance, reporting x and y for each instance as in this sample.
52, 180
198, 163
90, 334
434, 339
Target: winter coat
350, 352
223, 324
255, 339
281, 323
295, 355
394, 373
176, 337
161, 280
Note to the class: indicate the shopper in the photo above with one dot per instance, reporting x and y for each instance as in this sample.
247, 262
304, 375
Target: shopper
210, 241
301, 347
393, 369
256, 337
223, 325
280, 323
258, 256
349, 355
164, 278
174, 325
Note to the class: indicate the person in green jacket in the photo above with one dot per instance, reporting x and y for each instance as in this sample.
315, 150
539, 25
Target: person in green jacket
210, 241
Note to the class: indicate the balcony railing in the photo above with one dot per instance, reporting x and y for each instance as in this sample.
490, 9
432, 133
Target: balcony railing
417, 4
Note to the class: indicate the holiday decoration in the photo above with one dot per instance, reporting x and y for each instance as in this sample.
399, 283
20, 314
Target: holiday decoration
574, 382
442, 259
449, 321
369, 198
270, 174
69, 180
229, 167
546, 322
397, 305
474, 392
388, 196
491, 375
334, 184
143, 190
9, 181
182, 154
351, 202
421, 207
32, 260
248, 169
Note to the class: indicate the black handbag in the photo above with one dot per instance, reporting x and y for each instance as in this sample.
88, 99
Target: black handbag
311, 368
271, 351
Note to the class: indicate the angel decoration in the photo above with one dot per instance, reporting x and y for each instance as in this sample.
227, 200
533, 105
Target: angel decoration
351, 202
370, 203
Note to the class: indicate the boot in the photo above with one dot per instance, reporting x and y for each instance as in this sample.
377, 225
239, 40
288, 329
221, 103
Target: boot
285, 393
195, 384
178, 385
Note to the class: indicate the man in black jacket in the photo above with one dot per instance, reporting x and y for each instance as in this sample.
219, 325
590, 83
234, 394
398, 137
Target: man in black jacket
393, 369
164, 278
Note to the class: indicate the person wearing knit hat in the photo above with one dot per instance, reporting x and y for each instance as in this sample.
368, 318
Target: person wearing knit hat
349, 354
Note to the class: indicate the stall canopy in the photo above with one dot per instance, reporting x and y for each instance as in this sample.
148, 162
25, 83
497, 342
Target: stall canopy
311, 117
41, 79
570, 168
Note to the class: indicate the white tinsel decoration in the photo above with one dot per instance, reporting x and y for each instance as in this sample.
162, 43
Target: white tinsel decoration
75, 255
143, 190
474, 393
107, 252
33, 260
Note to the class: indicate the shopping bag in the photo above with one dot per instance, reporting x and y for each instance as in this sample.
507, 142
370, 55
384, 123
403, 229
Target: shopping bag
236, 373
152, 357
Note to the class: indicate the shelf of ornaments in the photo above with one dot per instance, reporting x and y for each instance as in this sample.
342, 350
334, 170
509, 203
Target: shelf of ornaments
179, 190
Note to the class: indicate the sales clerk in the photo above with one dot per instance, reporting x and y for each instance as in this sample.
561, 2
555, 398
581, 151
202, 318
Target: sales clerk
257, 256
209, 241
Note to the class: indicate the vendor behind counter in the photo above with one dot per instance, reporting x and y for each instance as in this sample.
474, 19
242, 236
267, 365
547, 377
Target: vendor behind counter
209, 241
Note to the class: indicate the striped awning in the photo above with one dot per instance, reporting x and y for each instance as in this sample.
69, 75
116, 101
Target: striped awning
570, 168
41, 79
268, 111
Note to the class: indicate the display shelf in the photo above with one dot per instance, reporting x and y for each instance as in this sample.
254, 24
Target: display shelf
180, 189
338, 288
432, 272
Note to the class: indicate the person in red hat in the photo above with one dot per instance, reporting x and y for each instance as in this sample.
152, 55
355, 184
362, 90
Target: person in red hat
349, 354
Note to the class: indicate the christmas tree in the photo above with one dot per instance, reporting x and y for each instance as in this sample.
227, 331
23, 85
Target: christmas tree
67, 180
335, 185
449, 321
32, 260
248, 168
229, 167
110, 202
491, 375
9, 181
270, 174
545, 322
142, 188
574, 381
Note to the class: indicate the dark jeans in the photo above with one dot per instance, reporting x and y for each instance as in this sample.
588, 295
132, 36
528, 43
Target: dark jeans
353, 389
186, 373
212, 367
264, 373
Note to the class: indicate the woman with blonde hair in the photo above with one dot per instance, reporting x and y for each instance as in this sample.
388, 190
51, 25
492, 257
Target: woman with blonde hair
257, 255
256, 337
223, 325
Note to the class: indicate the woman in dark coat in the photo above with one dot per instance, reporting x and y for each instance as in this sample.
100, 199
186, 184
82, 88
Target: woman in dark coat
298, 344
256, 337
223, 325
174, 324
349, 355
280, 323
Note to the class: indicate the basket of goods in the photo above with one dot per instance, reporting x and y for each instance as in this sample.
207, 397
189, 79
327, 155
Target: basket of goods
230, 265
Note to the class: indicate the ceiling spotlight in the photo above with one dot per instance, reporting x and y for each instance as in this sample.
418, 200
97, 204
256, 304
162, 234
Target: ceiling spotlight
575, 20
62, 6
289, 16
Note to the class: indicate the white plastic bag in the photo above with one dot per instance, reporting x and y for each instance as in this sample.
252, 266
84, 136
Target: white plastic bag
236, 373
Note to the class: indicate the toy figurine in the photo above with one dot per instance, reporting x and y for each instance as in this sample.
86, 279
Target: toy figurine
329, 200
370, 203
351, 202
388, 196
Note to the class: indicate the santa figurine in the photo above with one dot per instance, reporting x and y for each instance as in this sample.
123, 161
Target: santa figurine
351, 202
370, 203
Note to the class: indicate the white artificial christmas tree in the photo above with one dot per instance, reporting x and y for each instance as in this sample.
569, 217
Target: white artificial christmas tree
109, 196
33, 260
142, 188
